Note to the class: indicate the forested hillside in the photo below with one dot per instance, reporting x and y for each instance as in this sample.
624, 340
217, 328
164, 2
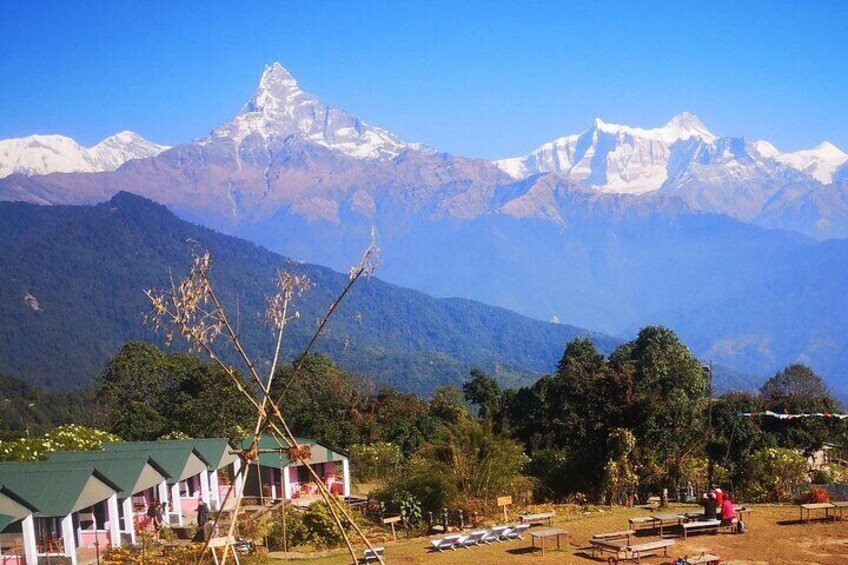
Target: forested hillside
71, 293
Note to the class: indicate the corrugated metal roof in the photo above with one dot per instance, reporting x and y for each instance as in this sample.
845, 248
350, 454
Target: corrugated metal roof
124, 469
319, 453
53, 488
173, 457
5, 521
215, 451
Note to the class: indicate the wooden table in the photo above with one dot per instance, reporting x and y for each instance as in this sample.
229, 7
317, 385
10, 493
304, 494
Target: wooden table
543, 533
826, 506
841, 506
668, 519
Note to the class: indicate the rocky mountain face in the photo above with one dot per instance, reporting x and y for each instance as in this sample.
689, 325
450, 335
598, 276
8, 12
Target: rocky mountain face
45, 154
609, 229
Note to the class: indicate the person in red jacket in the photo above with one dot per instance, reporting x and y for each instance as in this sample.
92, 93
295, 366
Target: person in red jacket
719, 494
727, 512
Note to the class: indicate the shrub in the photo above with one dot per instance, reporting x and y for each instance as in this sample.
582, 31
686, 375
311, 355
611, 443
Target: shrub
406, 506
70, 437
829, 474
374, 461
774, 473
295, 531
815, 495
313, 527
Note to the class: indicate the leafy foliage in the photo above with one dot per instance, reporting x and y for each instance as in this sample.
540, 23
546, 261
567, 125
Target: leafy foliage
374, 461
774, 473
70, 437
651, 391
147, 394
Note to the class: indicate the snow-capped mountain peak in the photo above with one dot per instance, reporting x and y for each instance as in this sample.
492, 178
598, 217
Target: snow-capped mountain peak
687, 126
279, 109
820, 162
45, 154
612, 157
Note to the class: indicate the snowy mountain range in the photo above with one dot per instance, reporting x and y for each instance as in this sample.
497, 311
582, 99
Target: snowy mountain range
626, 160
45, 154
607, 229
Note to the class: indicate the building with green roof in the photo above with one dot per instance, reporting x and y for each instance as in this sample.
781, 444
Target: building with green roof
138, 475
186, 468
68, 497
278, 477
17, 528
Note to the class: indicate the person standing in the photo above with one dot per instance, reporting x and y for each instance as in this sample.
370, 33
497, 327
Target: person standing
203, 527
154, 512
202, 513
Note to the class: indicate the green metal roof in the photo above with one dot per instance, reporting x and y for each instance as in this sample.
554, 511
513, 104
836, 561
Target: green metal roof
320, 453
13, 507
123, 469
172, 457
5, 521
215, 451
55, 489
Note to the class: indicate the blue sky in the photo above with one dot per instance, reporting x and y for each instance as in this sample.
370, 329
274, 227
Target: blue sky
487, 79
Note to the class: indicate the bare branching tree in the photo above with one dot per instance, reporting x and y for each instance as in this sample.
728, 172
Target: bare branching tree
191, 308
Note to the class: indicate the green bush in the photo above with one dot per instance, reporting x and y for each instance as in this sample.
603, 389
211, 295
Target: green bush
378, 460
405, 505
313, 527
774, 473
295, 531
64, 438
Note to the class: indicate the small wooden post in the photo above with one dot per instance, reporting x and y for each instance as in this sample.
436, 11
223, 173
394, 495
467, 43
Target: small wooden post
504, 501
392, 521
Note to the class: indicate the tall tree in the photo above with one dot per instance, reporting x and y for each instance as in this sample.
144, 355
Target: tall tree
668, 390
132, 389
483, 392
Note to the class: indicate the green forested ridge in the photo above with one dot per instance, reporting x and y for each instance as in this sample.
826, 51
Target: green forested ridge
71, 282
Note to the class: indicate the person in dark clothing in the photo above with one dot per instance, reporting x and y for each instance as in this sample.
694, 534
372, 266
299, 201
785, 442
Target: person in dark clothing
202, 513
154, 512
710, 507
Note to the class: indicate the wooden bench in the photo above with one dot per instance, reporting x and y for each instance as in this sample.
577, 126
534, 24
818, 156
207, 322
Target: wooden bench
619, 550
542, 518
635, 552
703, 526
638, 551
623, 534
826, 506
646, 523
606, 542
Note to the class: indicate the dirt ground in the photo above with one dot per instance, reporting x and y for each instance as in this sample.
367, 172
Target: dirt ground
774, 536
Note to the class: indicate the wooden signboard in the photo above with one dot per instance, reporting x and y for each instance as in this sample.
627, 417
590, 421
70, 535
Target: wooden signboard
392, 521
504, 501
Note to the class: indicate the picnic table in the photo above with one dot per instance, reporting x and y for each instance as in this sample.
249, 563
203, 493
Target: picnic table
668, 519
826, 506
841, 506
543, 533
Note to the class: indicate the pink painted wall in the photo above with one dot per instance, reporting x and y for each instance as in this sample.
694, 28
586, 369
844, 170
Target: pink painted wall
88, 538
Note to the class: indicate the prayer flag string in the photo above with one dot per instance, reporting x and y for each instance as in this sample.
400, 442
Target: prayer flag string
780, 416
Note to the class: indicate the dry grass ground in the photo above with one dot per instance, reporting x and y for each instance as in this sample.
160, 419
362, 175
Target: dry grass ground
774, 537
